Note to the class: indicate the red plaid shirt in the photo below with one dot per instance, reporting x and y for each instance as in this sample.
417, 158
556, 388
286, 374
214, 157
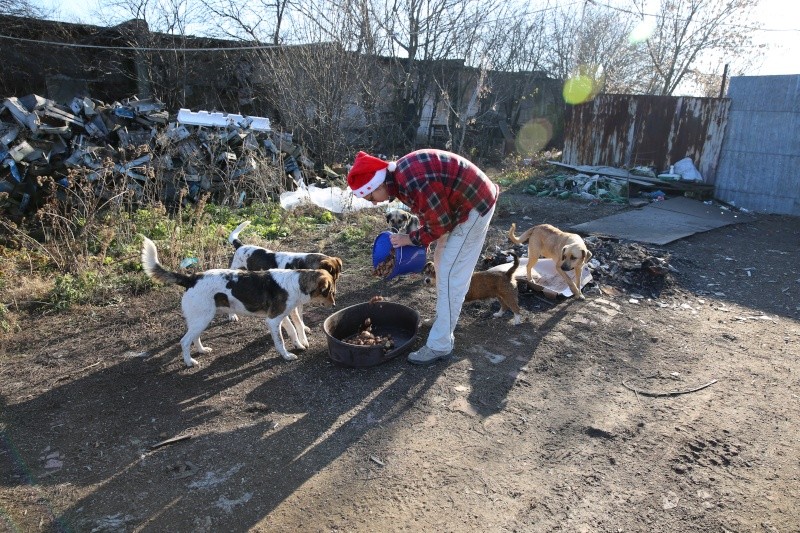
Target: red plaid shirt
441, 188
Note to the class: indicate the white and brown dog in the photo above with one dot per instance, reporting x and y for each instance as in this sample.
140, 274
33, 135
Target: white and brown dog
274, 295
567, 250
401, 221
489, 284
252, 257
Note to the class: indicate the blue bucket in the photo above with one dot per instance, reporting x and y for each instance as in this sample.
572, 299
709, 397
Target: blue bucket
407, 259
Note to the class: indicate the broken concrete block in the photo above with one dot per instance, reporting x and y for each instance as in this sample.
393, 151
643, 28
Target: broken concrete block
246, 165
53, 110
250, 142
24, 117
158, 117
24, 152
82, 106
124, 112
188, 149
9, 163
221, 120
176, 132
96, 129
32, 102
130, 173
139, 164
226, 157
133, 138
270, 146
8, 132
58, 147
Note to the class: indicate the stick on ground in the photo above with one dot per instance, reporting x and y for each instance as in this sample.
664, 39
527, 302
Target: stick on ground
173, 440
668, 393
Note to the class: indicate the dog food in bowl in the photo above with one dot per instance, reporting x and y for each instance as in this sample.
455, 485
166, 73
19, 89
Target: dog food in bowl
366, 337
386, 319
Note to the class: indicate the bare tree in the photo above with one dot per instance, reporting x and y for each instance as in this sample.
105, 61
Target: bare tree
421, 34
259, 21
696, 35
21, 8
594, 42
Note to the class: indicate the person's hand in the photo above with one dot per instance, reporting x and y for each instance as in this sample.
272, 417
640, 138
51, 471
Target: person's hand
400, 239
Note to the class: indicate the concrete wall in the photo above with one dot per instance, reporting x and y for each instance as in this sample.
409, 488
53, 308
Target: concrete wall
759, 167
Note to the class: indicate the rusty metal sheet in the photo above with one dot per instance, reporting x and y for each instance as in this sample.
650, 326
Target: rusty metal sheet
630, 130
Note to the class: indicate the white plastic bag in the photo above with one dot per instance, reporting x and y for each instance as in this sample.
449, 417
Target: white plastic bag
686, 169
333, 199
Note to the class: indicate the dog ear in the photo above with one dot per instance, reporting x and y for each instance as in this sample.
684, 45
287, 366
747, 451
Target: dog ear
333, 265
326, 286
587, 255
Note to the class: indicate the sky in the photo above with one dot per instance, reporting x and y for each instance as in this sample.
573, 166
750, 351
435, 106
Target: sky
781, 19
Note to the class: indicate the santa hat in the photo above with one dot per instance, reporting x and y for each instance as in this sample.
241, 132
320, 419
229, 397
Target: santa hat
367, 174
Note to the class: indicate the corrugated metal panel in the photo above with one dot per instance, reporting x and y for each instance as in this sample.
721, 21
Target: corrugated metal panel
760, 161
629, 130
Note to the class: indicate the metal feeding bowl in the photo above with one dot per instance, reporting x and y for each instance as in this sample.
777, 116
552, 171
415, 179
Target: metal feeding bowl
387, 318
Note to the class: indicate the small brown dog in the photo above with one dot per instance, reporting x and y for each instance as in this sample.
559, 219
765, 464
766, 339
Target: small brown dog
567, 250
489, 284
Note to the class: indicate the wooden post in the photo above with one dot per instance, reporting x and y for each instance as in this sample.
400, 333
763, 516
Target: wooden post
724, 79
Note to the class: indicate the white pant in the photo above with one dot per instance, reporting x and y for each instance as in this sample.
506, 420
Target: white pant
454, 259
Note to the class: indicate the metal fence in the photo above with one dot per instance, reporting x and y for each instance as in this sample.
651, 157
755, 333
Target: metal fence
631, 130
760, 162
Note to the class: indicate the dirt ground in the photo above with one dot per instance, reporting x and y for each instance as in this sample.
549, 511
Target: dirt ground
529, 428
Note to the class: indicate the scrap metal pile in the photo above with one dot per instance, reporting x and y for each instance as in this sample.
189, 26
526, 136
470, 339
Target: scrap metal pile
46, 147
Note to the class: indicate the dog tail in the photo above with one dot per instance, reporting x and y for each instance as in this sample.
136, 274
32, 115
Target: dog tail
154, 269
233, 238
513, 238
510, 271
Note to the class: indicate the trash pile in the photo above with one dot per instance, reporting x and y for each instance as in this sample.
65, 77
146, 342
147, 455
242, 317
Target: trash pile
617, 267
45, 147
595, 188
630, 267
636, 185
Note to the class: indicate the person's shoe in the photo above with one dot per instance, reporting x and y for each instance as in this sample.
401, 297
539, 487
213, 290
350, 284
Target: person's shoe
426, 356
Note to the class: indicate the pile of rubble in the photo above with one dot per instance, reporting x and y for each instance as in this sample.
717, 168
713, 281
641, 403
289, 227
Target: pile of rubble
45, 146
593, 188
617, 267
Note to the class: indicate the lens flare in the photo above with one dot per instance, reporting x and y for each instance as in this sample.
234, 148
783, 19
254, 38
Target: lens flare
578, 89
642, 31
534, 136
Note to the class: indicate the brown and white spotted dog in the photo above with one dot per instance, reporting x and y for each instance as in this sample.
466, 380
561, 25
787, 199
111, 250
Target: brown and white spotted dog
274, 295
252, 257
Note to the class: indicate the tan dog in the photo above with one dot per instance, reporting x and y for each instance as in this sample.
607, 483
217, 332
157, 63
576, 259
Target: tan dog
489, 284
567, 250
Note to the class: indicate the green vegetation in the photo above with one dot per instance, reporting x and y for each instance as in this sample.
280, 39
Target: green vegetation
88, 251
